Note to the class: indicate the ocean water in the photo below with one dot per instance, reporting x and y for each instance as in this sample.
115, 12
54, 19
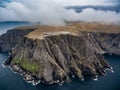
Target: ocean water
12, 81
4, 26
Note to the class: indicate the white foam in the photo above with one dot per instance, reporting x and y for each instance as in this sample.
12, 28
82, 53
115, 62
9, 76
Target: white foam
73, 76
95, 79
82, 79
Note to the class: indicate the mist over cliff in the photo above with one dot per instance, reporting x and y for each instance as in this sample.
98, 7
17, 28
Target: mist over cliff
54, 12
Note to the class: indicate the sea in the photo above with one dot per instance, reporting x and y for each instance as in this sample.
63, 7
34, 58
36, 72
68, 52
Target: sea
12, 81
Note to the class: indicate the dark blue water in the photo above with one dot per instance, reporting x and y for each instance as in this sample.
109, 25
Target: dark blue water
11, 81
4, 26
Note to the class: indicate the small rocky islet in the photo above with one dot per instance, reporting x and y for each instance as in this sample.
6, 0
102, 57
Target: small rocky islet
53, 54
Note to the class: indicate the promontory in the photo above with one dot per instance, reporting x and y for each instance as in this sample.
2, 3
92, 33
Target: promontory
55, 54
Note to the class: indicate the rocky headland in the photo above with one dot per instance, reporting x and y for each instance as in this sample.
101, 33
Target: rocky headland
54, 54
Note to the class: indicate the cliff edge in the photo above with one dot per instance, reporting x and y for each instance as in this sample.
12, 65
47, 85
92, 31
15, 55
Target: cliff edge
54, 54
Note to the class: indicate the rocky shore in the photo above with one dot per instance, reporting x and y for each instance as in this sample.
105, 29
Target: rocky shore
46, 54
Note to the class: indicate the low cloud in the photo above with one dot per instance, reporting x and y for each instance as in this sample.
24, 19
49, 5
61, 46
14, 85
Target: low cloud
54, 13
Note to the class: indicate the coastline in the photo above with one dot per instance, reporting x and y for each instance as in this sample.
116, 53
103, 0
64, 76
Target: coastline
65, 47
35, 82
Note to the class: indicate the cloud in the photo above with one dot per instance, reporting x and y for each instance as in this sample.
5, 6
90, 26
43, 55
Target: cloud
76, 2
53, 12
92, 15
88, 2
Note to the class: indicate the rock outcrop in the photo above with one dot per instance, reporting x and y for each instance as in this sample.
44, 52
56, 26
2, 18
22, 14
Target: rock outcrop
12, 37
55, 54
109, 42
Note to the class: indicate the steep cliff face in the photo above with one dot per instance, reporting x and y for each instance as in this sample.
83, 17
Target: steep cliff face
56, 58
109, 42
12, 37
54, 54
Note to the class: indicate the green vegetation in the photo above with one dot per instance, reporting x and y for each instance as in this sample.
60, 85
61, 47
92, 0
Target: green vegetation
30, 66
16, 61
26, 64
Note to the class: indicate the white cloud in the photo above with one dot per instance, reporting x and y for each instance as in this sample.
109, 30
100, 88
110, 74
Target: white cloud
73, 2
86, 2
91, 15
53, 12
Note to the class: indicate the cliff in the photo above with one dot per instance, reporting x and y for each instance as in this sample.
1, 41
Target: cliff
109, 42
52, 54
13, 37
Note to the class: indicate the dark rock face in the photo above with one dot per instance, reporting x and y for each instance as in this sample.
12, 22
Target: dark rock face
59, 57
56, 58
110, 43
11, 38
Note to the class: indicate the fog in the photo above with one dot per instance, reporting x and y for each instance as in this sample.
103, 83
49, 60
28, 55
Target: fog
53, 12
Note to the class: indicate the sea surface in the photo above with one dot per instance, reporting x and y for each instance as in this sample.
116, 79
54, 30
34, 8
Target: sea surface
4, 26
12, 81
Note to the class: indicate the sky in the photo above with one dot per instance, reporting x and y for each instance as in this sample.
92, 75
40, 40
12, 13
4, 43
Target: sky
53, 12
